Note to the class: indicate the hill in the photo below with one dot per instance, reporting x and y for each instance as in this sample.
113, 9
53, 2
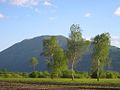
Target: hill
18, 56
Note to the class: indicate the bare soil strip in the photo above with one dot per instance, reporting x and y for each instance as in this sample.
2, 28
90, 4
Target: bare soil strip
55, 86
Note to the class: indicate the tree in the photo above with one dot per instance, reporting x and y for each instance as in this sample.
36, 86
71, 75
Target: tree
100, 53
49, 46
76, 46
34, 62
55, 57
60, 61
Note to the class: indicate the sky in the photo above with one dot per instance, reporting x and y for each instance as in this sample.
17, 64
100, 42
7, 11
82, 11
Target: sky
25, 19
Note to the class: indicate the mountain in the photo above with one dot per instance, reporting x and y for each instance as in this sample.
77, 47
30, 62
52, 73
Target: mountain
18, 56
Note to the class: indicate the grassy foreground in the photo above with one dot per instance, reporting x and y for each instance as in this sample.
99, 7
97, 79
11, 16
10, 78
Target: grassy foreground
64, 80
66, 83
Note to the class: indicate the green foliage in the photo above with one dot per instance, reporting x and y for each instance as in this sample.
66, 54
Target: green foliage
81, 75
100, 53
108, 74
113, 75
101, 74
55, 75
60, 60
46, 74
10, 75
76, 46
94, 74
56, 59
67, 74
49, 45
34, 74
37, 74
77, 74
64, 74
25, 74
34, 62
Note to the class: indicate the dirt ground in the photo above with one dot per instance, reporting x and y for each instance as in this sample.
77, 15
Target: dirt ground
25, 86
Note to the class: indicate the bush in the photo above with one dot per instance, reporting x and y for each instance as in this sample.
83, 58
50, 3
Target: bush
46, 74
94, 74
112, 75
10, 75
102, 75
25, 75
16, 75
43, 75
34, 74
77, 74
119, 75
40, 75
54, 75
81, 75
67, 74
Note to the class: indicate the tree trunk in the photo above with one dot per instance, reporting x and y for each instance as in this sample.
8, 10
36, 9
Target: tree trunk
98, 71
72, 74
98, 76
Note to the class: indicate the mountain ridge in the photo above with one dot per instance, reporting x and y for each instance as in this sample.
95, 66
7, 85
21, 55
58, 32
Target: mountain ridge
17, 57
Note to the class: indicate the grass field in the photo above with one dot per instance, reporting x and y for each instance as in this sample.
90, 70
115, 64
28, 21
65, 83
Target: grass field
63, 83
64, 80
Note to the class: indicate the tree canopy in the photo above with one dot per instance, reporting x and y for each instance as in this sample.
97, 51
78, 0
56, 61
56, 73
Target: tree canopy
34, 62
100, 52
76, 46
55, 57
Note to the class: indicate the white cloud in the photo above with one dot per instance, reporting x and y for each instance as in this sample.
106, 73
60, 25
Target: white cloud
2, 16
29, 2
117, 12
32, 4
115, 40
49, 4
87, 14
24, 2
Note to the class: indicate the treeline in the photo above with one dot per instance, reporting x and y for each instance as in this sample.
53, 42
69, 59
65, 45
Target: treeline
61, 62
65, 74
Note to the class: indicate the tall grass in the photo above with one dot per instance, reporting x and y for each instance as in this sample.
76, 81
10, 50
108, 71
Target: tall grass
63, 80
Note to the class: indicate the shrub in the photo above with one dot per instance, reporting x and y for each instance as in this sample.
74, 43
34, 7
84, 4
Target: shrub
94, 74
46, 74
34, 74
111, 74
81, 75
10, 75
67, 74
102, 74
54, 75
16, 75
25, 75
41, 75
